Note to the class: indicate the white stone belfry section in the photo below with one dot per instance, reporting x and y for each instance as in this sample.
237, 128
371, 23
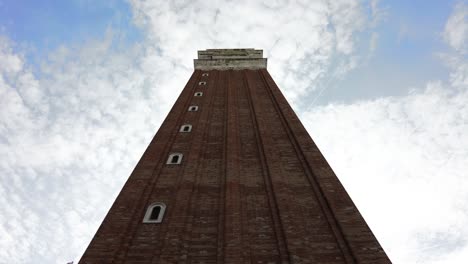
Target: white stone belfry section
230, 59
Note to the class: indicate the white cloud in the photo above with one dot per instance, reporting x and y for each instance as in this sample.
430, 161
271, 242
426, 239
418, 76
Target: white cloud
11, 63
305, 41
456, 28
68, 141
403, 161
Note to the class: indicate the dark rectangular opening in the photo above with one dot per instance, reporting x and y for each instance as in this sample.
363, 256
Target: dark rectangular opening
155, 213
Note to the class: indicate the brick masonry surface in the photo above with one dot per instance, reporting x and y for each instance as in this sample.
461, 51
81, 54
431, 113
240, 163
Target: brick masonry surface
252, 187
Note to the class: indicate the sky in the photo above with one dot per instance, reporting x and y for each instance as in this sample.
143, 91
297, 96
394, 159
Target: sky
381, 86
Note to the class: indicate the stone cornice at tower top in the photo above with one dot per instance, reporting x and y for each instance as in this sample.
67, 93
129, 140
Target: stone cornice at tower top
230, 59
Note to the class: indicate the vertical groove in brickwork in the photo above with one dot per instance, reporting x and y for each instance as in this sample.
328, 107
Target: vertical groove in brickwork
243, 120
271, 166
209, 98
325, 207
360, 242
222, 84
172, 246
274, 210
202, 132
150, 188
232, 204
199, 245
307, 234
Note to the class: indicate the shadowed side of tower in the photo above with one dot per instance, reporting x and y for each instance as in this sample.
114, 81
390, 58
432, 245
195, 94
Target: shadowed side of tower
232, 176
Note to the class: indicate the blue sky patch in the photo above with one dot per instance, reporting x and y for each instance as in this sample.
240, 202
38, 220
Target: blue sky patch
45, 25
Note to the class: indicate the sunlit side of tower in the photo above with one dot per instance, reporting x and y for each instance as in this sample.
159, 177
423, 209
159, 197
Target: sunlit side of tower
232, 176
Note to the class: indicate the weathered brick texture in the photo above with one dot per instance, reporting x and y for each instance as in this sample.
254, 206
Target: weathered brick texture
252, 187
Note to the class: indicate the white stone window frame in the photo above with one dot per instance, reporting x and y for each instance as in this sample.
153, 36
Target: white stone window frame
182, 128
202, 83
149, 211
205, 74
171, 157
193, 108
198, 94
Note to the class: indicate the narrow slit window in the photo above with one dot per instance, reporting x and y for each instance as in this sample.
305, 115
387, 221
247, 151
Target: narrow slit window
185, 128
205, 74
198, 94
201, 83
155, 213
193, 108
174, 158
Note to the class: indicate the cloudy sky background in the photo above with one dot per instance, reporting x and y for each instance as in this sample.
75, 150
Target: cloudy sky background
382, 87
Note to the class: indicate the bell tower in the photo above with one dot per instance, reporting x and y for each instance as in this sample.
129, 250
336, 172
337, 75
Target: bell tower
232, 176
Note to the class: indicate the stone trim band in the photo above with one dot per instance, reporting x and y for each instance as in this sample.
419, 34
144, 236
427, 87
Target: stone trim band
230, 59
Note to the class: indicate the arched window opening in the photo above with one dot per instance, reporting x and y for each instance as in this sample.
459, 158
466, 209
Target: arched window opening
193, 108
201, 83
205, 74
154, 213
185, 128
174, 158
198, 94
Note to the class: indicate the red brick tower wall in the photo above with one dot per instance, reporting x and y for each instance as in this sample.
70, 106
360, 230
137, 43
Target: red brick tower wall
252, 187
